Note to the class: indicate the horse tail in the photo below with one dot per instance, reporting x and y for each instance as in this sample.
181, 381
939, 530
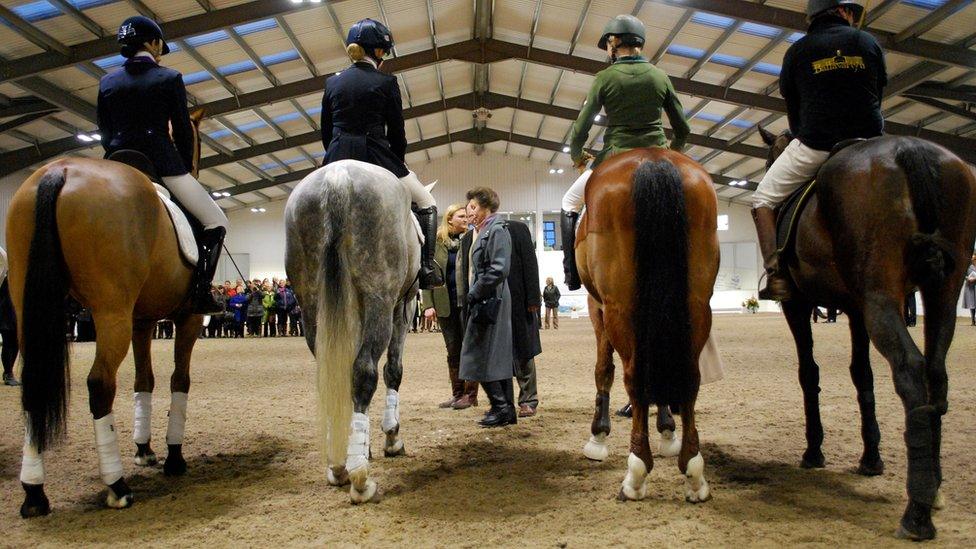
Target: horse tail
662, 322
930, 258
44, 348
337, 336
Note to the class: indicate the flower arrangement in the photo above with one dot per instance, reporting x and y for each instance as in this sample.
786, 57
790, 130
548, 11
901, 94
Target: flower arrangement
752, 304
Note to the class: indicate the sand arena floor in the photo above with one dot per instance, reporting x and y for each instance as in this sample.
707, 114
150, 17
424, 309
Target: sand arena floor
255, 477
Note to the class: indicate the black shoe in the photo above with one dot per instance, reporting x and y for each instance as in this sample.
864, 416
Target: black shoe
210, 243
430, 271
567, 225
502, 416
626, 411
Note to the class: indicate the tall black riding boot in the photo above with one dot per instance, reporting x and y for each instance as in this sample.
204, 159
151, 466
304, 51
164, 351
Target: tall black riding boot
567, 226
430, 273
777, 286
210, 243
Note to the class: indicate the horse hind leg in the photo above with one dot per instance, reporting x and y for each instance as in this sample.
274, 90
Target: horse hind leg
690, 461
871, 463
886, 328
114, 331
639, 462
596, 448
670, 441
378, 328
392, 375
144, 384
187, 332
798, 317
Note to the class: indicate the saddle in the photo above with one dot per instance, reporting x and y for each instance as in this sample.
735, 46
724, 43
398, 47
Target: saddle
185, 225
788, 213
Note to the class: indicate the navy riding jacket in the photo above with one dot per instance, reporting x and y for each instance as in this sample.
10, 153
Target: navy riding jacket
136, 106
832, 80
362, 118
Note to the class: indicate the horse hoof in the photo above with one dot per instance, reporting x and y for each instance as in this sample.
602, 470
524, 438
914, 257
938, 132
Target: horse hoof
916, 524
627, 493
397, 449
596, 449
119, 495
35, 503
701, 495
147, 460
871, 468
340, 479
174, 466
813, 460
670, 444
939, 503
369, 494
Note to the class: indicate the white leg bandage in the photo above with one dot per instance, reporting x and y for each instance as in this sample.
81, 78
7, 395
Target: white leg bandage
357, 453
576, 195
391, 416
418, 193
107, 444
142, 419
32, 467
177, 418
197, 200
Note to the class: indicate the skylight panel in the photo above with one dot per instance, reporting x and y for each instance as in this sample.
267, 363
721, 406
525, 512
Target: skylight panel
256, 26
756, 29
794, 37
208, 38
925, 4
712, 20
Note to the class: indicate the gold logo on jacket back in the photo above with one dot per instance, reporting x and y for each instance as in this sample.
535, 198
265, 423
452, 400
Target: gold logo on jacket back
849, 62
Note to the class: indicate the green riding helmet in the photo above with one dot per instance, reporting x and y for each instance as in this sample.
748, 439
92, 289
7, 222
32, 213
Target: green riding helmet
627, 27
816, 7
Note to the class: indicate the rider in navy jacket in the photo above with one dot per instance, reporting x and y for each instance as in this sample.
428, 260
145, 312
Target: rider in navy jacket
362, 119
137, 104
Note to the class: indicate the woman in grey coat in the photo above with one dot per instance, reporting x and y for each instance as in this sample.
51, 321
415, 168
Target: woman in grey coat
969, 291
486, 353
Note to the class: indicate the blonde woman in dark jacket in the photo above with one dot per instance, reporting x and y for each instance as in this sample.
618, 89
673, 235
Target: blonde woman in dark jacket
444, 301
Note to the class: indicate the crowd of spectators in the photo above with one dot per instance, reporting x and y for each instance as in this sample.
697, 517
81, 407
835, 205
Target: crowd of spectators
256, 308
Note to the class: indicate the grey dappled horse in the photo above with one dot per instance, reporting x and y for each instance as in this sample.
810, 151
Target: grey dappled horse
353, 254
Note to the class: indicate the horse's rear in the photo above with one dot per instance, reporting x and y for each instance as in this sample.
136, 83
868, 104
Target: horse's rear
648, 255
891, 214
95, 230
352, 255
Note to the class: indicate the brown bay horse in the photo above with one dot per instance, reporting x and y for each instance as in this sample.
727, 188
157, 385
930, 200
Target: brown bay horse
648, 255
889, 215
97, 231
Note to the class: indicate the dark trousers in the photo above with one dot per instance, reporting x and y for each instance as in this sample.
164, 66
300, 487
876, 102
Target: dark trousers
254, 325
282, 322
215, 325
525, 373
10, 349
270, 328
296, 325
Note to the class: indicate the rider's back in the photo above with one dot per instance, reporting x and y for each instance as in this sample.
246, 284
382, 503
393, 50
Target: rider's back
832, 80
634, 96
136, 105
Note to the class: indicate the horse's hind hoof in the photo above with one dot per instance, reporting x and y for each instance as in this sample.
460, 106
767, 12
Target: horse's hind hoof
148, 460
916, 524
35, 503
596, 448
871, 468
175, 465
337, 479
398, 449
119, 495
369, 494
813, 460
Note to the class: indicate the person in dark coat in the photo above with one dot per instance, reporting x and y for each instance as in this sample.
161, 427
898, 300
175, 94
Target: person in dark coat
486, 352
137, 105
362, 119
8, 327
523, 283
284, 302
550, 296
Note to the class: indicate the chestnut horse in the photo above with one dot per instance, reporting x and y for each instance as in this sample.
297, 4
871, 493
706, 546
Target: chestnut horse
648, 255
888, 215
97, 231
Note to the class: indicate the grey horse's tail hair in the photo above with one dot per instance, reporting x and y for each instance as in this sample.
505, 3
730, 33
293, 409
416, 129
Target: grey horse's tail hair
930, 256
337, 337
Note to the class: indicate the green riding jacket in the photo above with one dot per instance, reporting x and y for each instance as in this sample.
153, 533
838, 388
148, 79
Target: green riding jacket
633, 92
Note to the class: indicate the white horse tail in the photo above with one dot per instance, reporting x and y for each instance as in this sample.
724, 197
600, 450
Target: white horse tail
337, 337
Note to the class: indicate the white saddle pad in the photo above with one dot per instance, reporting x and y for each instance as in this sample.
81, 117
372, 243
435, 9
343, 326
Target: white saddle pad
184, 233
420, 232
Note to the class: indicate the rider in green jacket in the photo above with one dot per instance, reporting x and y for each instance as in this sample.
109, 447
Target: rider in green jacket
633, 92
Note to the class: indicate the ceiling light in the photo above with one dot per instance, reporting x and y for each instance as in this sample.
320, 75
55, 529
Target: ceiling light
85, 138
560, 171
565, 149
262, 210
254, 210
216, 194
597, 118
552, 171
225, 194
96, 137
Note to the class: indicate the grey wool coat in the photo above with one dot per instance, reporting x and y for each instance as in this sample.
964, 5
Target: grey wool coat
969, 290
486, 354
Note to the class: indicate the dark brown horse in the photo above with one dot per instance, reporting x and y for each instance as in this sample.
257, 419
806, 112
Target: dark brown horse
97, 231
648, 254
889, 214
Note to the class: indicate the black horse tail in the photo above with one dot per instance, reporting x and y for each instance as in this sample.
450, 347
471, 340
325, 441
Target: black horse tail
662, 323
44, 347
930, 257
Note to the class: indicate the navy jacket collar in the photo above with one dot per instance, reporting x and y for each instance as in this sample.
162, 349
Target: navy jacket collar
140, 61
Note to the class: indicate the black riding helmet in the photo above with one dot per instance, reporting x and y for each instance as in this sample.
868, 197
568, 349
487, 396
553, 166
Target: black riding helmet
816, 7
628, 28
370, 34
136, 31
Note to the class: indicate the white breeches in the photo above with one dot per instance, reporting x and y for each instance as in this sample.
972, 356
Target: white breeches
418, 194
797, 165
195, 198
576, 195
